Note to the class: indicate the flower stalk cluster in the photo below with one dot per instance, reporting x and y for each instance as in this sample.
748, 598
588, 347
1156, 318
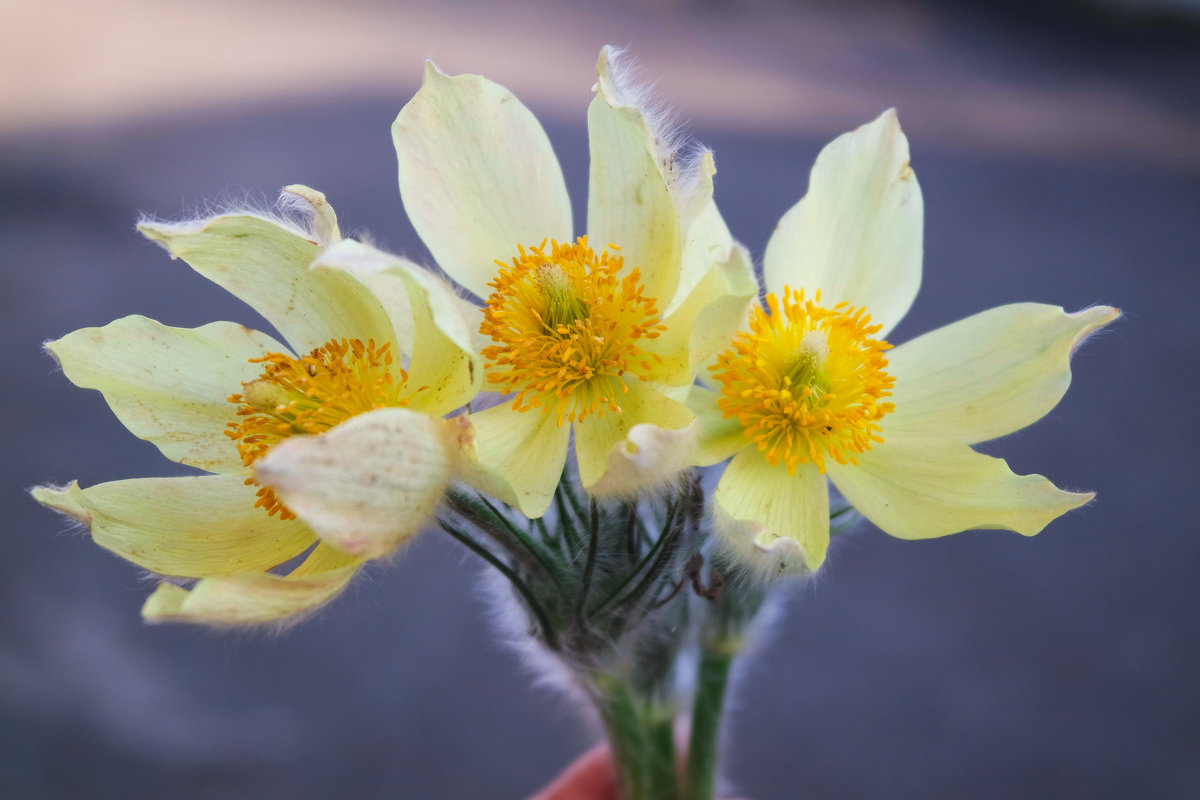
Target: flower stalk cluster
556, 402
590, 572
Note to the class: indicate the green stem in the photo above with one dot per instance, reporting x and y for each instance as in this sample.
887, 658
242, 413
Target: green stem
661, 777
729, 617
712, 678
626, 737
641, 737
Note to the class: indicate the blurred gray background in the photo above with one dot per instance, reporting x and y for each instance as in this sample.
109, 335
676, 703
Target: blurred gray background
1058, 148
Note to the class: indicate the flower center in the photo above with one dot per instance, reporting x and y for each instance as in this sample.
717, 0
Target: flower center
567, 326
806, 382
304, 396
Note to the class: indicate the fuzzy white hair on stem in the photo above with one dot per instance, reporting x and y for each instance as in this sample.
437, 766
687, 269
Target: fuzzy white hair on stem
511, 620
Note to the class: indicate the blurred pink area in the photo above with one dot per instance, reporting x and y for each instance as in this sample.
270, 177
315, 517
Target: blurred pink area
760, 65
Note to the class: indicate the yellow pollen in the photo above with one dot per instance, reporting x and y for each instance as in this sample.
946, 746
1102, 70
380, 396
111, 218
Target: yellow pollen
304, 396
567, 326
806, 382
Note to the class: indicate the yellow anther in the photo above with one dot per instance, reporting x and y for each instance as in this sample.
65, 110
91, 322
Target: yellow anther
567, 325
806, 382
296, 396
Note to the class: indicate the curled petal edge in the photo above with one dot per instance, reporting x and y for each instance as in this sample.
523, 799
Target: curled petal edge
647, 458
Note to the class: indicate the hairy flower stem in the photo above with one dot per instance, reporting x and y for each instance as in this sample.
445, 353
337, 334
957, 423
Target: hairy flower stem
605, 585
641, 737
730, 614
662, 776
626, 738
548, 632
711, 679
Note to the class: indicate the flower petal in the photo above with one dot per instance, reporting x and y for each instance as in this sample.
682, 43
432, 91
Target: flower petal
647, 458
629, 202
266, 264
477, 175
772, 521
720, 436
602, 441
444, 363
195, 527
706, 238
714, 311
922, 488
857, 235
519, 456
369, 484
311, 204
256, 599
987, 375
169, 385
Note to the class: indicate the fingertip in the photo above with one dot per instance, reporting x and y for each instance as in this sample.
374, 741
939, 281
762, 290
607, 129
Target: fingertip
590, 777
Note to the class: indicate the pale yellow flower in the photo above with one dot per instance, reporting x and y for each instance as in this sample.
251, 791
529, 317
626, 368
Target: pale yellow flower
324, 455
595, 334
813, 391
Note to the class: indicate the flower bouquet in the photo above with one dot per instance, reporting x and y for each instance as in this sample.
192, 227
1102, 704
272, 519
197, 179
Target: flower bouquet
643, 436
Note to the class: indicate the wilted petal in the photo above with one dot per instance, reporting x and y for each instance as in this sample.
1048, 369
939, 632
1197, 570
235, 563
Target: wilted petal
203, 526
629, 202
167, 385
987, 375
922, 488
477, 175
771, 521
857, 235
369, 484
255, 599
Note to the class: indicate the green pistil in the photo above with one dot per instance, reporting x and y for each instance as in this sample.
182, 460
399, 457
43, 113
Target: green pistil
805, 367
563, 306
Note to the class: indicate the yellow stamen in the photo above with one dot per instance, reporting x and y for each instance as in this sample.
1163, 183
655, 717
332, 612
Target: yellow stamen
304, 396
567, 327
805, 382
